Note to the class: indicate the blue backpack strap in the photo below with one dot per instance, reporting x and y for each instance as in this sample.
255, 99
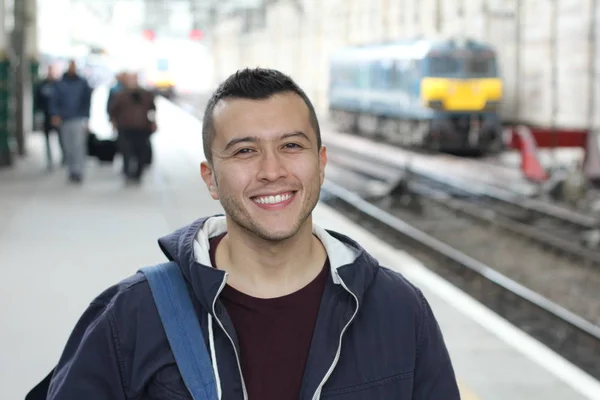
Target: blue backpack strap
183, 329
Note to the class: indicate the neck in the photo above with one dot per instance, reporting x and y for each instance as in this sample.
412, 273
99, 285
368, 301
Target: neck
266, 269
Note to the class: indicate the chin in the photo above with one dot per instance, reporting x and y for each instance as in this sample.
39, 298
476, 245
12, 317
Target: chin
277, 230
275, 235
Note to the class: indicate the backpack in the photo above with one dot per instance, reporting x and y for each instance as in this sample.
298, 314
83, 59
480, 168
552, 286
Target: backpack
183, 331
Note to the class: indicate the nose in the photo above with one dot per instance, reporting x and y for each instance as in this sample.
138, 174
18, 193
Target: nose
272, 167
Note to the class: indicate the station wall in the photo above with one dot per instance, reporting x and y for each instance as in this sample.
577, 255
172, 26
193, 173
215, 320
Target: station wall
547, 48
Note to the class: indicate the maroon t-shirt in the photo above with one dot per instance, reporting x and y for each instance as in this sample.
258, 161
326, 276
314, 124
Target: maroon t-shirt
274, 335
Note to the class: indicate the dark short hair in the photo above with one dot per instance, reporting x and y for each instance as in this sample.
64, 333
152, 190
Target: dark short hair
256, 84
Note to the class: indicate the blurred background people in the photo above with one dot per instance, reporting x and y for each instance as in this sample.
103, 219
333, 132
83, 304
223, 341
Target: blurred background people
70, 110
132, 112
42, 96
116, 88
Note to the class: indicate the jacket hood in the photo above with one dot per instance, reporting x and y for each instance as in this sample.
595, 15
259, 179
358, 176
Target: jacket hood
350, 264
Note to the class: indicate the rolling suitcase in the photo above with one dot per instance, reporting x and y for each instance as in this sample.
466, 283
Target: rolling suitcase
103, 149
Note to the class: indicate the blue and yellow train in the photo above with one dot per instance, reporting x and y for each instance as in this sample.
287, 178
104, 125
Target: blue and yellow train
438, 94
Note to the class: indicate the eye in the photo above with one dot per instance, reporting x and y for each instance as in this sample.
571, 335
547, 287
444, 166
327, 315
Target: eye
244, 151
292, 146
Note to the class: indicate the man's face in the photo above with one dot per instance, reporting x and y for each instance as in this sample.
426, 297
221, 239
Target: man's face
130, 81
72, 69
267, 171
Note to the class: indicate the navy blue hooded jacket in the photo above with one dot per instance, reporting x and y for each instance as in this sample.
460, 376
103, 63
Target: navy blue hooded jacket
71, 98
376, 337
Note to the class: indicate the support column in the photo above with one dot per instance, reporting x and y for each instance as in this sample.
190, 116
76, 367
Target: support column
5, 150
21, 74
31, 54
437, 22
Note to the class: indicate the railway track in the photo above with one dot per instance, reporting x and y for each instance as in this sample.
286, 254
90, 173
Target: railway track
532, 255
566, 332
550, 226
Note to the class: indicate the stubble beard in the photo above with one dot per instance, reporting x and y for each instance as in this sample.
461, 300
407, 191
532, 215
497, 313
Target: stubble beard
241, 217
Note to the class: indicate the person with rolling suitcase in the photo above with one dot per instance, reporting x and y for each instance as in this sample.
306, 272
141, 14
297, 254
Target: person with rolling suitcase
132, 112
70, 110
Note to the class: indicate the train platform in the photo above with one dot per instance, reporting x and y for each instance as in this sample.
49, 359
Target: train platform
61, 245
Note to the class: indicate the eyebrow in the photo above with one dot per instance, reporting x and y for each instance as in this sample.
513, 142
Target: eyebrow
235, 141
254, 139
295, 134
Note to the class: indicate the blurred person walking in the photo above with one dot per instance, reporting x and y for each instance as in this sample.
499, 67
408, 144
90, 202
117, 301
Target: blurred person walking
41, 100
132, 112
116, 88
70, 109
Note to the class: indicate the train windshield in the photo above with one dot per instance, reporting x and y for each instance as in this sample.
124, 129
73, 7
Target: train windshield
444, 65
480, 66
469, 65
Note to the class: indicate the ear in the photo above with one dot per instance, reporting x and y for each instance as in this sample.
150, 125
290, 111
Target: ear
322, 162
208, 176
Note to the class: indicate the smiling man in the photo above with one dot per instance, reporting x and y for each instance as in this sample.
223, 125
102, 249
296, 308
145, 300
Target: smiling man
289, 309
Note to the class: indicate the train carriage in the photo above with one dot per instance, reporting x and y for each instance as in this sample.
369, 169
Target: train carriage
442, 94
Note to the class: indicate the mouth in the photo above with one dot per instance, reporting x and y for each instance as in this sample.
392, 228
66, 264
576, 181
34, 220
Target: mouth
274, 200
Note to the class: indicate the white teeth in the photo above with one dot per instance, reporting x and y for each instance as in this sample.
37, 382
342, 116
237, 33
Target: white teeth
272, 199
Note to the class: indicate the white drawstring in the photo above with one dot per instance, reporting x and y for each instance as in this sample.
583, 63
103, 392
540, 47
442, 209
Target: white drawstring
213, 355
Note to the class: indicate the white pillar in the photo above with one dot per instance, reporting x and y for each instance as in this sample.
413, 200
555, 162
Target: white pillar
31, 57
31, 46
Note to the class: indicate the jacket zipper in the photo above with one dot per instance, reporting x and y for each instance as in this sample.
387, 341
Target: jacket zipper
317, 394
237, 357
